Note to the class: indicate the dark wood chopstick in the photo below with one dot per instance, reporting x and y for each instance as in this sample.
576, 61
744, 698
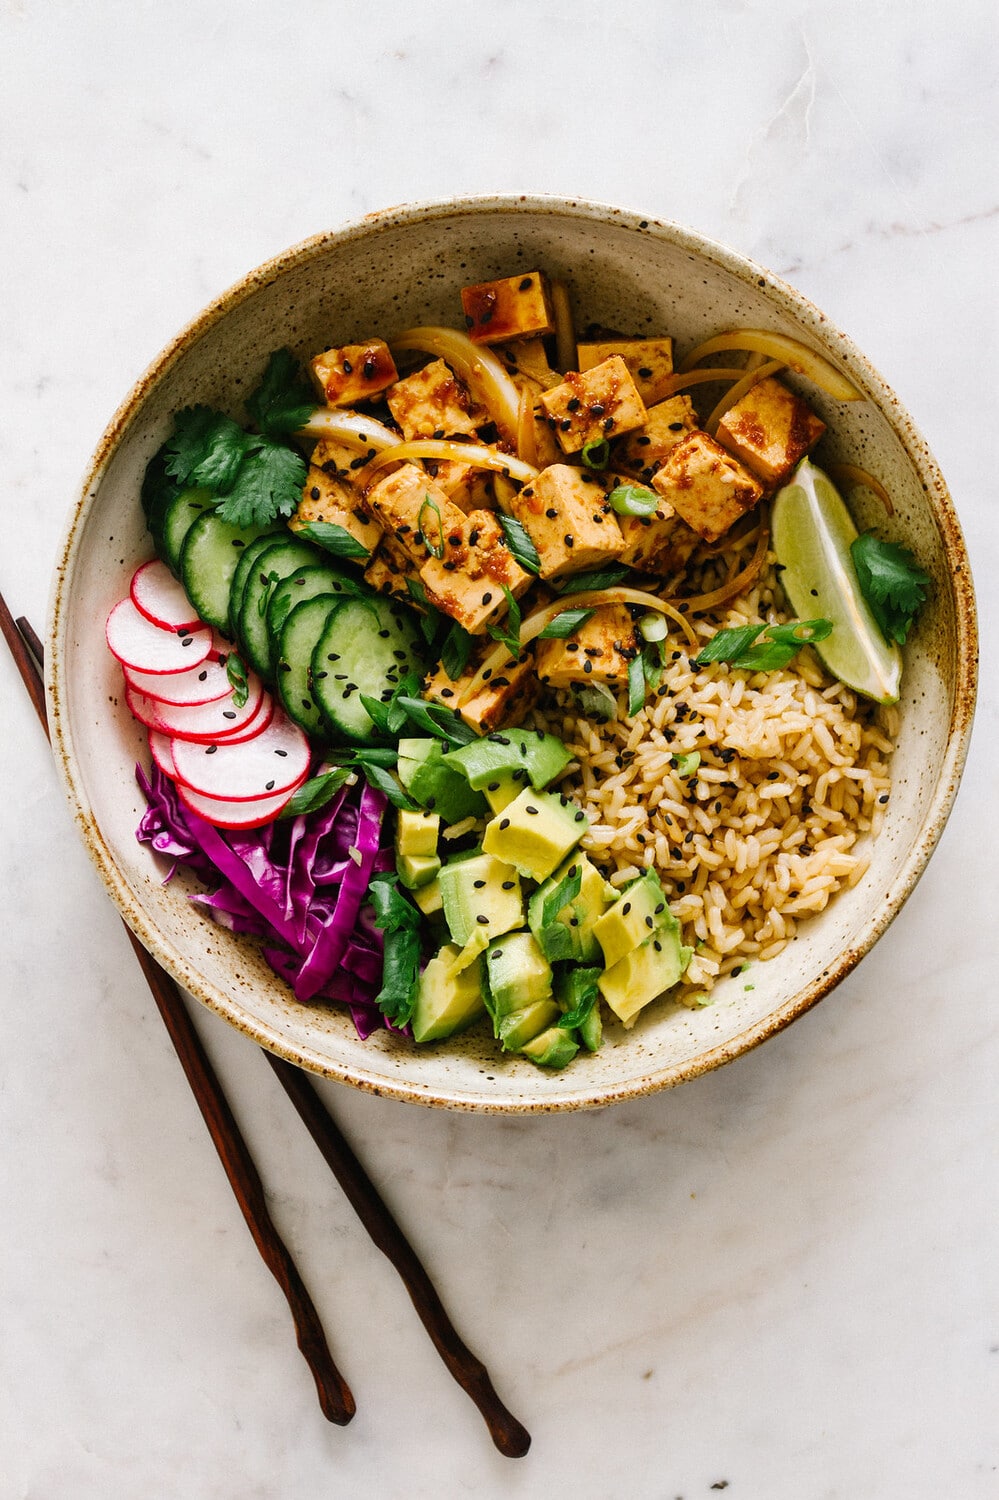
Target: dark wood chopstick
509, 1435
335, 1398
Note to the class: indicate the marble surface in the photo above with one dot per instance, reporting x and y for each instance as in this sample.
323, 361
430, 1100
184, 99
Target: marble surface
778, 1281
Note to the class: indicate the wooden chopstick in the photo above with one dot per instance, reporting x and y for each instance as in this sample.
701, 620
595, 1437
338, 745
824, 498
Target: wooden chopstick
335, 1398
509, 1435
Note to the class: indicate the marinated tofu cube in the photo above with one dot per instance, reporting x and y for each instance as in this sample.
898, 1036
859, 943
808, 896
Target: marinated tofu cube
565, 513
390, 568
515, 307
468, 580
354, 372
666, 424
661, 543
770, 430
434, 403
599, 651
340, 460
529, 358
706, 486
414, 508
649, 360
466, 485
331, 500
599, 403
502, 702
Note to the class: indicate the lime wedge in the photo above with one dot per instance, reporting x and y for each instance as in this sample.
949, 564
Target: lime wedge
812, 531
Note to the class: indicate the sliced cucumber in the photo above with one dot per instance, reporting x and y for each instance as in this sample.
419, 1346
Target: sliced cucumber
366, 647
305, 583
276, 562
248, 557
209, 556
299, 637
177, 520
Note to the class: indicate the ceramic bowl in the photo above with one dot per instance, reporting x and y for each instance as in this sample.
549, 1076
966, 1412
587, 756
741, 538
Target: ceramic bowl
404, 267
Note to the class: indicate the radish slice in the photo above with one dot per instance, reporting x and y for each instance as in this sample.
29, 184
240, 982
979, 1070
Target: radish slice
145, 647
273, 761
159, 749
205, 723
252, 814
205, 683
158, 595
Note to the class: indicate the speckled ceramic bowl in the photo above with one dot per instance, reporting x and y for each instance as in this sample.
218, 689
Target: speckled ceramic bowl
403, 267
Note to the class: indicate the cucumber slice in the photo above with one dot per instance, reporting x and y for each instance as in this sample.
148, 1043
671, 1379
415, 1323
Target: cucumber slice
305, 583
298, 640
249, 556
269, 567
177, 520
210, 553
366, 647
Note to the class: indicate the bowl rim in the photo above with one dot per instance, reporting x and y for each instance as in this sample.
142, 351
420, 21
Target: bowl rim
792, 303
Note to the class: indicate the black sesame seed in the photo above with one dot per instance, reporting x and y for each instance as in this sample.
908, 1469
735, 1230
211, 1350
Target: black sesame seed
551, 513
211, 749
532, 810
508, 885
269, 787
483, 921
478, 884
504, 823
626, 908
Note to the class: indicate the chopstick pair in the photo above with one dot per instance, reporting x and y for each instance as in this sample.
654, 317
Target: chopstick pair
335, 1397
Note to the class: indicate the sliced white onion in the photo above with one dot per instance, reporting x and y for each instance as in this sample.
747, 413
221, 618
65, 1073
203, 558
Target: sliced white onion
477, 366
349, 428
462, 453
780, 346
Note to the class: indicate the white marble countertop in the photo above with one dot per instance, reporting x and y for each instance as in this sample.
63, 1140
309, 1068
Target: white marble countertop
778, 1281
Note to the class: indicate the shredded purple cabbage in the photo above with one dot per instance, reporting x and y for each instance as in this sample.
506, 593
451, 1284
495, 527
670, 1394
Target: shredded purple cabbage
298, 885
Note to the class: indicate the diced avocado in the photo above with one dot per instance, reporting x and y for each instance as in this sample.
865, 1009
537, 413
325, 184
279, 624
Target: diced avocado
568, 931
481, 894
428, 898
552, 1048
502, 788
519, 1026
591, 1030
415, 870
644, 973
535, 832
428, 778
541, 755
578, 996
517, 974
639, 910
416, 833
447, 1002
473, 949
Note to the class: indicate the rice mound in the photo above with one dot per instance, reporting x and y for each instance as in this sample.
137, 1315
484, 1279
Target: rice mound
792, 777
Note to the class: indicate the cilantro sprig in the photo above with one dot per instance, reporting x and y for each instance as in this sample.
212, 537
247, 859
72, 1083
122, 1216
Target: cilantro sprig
891, 581
400, 922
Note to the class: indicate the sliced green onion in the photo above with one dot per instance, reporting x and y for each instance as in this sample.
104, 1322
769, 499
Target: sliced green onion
653, 627
596, 453
633, 500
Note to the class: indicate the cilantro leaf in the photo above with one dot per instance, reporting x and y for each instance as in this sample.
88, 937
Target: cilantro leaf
235, 671
400, 923
206, 449
892, 583
315, 792
392, 911
268, 484
284, 400
762, 648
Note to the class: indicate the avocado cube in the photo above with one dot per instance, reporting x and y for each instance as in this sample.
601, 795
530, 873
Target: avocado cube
428, 898
540, 755
535, 832
416, 832
639, 910
654, 966
568, 932
481, 895
517, 974
429, 780
504, 788
415, 870
447, 1002
552, 1048
591, 1030
520, 1026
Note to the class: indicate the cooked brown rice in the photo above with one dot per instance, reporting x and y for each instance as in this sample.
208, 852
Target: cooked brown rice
792, 775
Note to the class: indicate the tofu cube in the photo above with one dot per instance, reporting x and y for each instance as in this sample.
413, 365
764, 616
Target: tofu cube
600, 403
467, 582
412, 506
329, 499
434, 403
354, 372
649, 360
339, 460
566, 515
666, 424
500, 703
661, 543
599, 651
389, 569
515, 307
466, 485
770, 430
706, 486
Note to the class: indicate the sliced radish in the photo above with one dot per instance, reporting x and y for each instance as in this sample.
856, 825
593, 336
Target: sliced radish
158, 595
205, 723
204, 683
250, 814
270, 762
159, 749
145, 647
